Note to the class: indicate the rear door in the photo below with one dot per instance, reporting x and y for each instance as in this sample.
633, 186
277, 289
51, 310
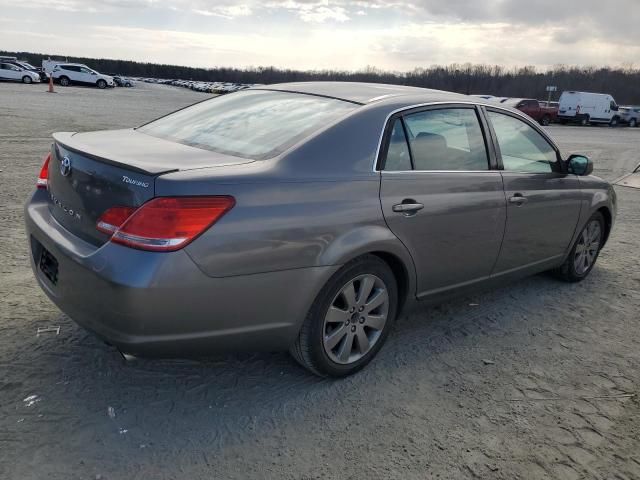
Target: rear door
441, 195
543, 201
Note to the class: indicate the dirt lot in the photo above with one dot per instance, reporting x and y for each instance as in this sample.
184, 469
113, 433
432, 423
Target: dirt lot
536, 380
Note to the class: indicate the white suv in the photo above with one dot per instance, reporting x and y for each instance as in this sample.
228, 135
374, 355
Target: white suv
68, 73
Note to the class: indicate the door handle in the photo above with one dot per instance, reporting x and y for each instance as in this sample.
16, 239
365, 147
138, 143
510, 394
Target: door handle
407, 208
518, 199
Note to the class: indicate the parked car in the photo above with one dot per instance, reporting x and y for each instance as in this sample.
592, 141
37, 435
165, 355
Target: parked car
630, 115
27, 66
304, 216
13, 72
586, 108
122, 81
77, 73
540, 113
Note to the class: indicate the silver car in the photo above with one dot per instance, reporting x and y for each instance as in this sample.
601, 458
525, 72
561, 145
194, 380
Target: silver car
630, 115
304, 217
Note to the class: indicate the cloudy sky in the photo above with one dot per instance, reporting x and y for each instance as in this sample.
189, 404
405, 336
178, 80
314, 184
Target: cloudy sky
307, 34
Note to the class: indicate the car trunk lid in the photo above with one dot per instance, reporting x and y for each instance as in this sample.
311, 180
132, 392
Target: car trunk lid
92, 172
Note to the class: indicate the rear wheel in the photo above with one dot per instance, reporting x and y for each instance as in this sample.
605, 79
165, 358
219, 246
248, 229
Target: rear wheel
545, 120
633, 123
101, 84
27, 79
349, 320
584, 121
585, 252
64, 81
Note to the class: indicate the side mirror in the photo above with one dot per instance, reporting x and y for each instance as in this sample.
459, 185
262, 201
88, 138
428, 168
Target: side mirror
93, 73
580, 165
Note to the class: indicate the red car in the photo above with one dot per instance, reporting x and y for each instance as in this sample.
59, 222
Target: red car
542, 114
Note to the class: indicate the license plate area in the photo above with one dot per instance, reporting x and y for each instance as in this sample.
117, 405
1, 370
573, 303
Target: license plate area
48, 266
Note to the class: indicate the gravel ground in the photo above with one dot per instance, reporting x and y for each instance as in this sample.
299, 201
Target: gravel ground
535, 380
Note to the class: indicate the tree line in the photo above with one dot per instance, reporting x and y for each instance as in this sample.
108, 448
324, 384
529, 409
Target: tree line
621, 82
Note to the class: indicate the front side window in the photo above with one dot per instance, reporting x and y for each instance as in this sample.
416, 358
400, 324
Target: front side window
256, 124
523, 149
446, 139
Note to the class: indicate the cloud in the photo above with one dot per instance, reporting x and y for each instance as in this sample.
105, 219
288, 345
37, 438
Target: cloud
225, 11
390, 34
323, 14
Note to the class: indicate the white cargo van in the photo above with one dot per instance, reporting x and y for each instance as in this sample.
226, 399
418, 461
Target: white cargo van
586, 108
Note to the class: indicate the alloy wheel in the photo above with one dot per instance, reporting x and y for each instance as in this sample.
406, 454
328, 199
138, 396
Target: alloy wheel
355, 319
587, 247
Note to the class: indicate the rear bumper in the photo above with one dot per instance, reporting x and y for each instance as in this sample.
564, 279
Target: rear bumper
162, 304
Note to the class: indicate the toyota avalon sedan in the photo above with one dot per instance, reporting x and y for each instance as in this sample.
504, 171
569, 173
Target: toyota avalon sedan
304, 216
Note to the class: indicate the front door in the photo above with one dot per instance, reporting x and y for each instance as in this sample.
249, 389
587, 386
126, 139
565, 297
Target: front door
440, 196
11, 72
543, 201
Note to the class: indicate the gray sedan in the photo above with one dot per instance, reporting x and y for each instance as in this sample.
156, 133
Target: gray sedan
304, 217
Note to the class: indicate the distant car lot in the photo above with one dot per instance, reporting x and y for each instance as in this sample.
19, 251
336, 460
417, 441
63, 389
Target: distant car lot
492, 386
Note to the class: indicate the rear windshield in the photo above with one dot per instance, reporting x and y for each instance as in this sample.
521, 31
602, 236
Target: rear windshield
254, 124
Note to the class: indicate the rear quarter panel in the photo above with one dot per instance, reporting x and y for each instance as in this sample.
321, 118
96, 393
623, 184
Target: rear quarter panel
288, 225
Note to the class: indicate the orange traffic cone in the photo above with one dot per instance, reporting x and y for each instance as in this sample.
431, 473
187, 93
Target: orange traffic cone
51, 84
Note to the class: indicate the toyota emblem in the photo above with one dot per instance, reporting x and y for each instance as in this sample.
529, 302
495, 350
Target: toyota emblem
65, 166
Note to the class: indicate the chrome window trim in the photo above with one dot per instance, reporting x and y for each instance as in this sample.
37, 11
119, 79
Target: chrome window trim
517, 112
439, 171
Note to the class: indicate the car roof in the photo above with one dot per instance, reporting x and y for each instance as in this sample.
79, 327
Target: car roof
364, 93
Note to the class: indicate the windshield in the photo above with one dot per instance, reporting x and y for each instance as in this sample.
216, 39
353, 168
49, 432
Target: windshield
255, 124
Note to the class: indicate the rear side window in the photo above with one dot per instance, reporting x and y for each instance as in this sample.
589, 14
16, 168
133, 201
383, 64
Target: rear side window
398, 156
446, 139
254, 124
523, 149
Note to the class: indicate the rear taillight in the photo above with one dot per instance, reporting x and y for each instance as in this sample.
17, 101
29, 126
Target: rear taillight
43, 178
112, 219
165, 223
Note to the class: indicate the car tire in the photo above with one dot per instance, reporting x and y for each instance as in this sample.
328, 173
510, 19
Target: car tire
101, 84
585, 251
584, 121
27, 79
633, 123
545, 120
64, 81
340, 334
614, 122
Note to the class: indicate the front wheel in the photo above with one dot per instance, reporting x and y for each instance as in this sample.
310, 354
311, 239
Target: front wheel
545, 121
613, 122
27, 79
64, 81
349, 320
633, 123
101, 84
584, 121
585, 251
